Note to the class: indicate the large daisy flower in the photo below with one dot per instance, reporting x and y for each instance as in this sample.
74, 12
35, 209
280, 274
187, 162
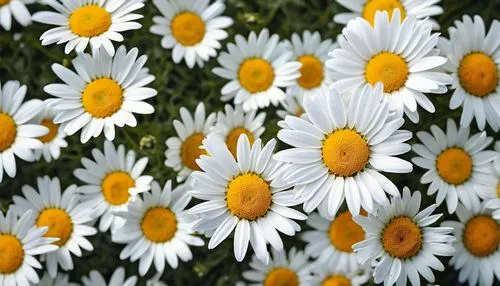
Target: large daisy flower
193, 29
97, 22
60, 280
323, 274
458, 166
17, 136
242, 194
105, 91
183, 149
257, 68
400, 54
112, 179
339, 152
16, 8
117, 279
158, 229
474, 62
401, 243
52, 141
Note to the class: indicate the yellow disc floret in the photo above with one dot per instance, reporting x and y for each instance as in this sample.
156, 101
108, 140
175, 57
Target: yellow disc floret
115, 187
232, 138
53, 128
372, 6
281, 276
102, 97
311, 72
478, 74
256, 75
388, 68
454, 166
190, 151
248, 196
336, 280
481, 235
90, 21
159, 224
402, 238
4, 2
8, 131
188, 28
59, 223
344, 232
11, 254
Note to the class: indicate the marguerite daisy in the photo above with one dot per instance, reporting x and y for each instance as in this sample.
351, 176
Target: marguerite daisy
52, 141
400, 242
16, 8
242, 194
60, 280
105, 91
291, 106
113, 179
117, 279
340, 150
193, 29
257, 68
327, 275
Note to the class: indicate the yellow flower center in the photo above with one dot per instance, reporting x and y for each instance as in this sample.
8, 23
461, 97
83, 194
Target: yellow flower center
498, 189
372, 6
256, 75
344, 232
59, 223
248, 196
478, 74
188, 28
388, 68
311, 72
102, 97
336, 280
8, 131
345, 152
481, 235
454, 166
4, 2
53, 128
300, 110
11, 254
281, 276
115, 187
90, 21
232, 138
159, 224
190, 151
402, 238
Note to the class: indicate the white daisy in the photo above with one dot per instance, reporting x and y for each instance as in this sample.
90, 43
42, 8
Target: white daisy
117, 279
105, 91
17, 136
60, 280
243, 194
477, 254
327, 275
401, 55
494, 194
257, 68
291, 106
458, 166
474, 64
97, 22
339, 151
193, 29
16, 8
113, 179
400, 242
183, 149
52, 141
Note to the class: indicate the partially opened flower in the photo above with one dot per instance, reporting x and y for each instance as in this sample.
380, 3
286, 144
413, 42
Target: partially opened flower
95, 278
53, 141
16, 9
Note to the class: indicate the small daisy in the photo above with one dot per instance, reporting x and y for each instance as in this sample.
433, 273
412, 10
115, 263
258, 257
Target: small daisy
113, 179
105, 91
117, 279
16, 8
97, 22
291, 106
474, 64
401, 55
52, 141
184, 149
257, 68
242, 194
17, 136
400, 242
193, 29
339, 152
60, 280
327, 275
458, 166
158, 229
477, 254
494, 194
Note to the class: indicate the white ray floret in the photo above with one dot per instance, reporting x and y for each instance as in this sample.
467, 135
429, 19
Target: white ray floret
95, 278
16, 9
54, 140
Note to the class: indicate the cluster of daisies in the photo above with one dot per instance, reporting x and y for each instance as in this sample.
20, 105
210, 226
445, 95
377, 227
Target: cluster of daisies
343, 104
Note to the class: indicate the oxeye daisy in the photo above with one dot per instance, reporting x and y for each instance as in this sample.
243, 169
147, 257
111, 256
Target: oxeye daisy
183, 149
400, 242
112, 179
401, 55
477, 252
158, 229
60, 280
458, 166
117, 279
257, 68
105, 91
66, 218
339, 151
17, 136
16, 8
291, 106
328, 275
243, 194
474, 64
52, 141
494, 194
192, 29
88, 21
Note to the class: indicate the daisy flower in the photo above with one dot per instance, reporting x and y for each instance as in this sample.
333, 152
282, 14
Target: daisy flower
291, 106
400, 54
52, 141
97, 22
193, 29
257, 68
242, 194
339, 152
327, 275
400, 242
494, 194
477, 245
158, 229
105, 91
183, 149
17, 136
60, 280
458, 166
474, 64
16, 8
117, 279
113, 179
